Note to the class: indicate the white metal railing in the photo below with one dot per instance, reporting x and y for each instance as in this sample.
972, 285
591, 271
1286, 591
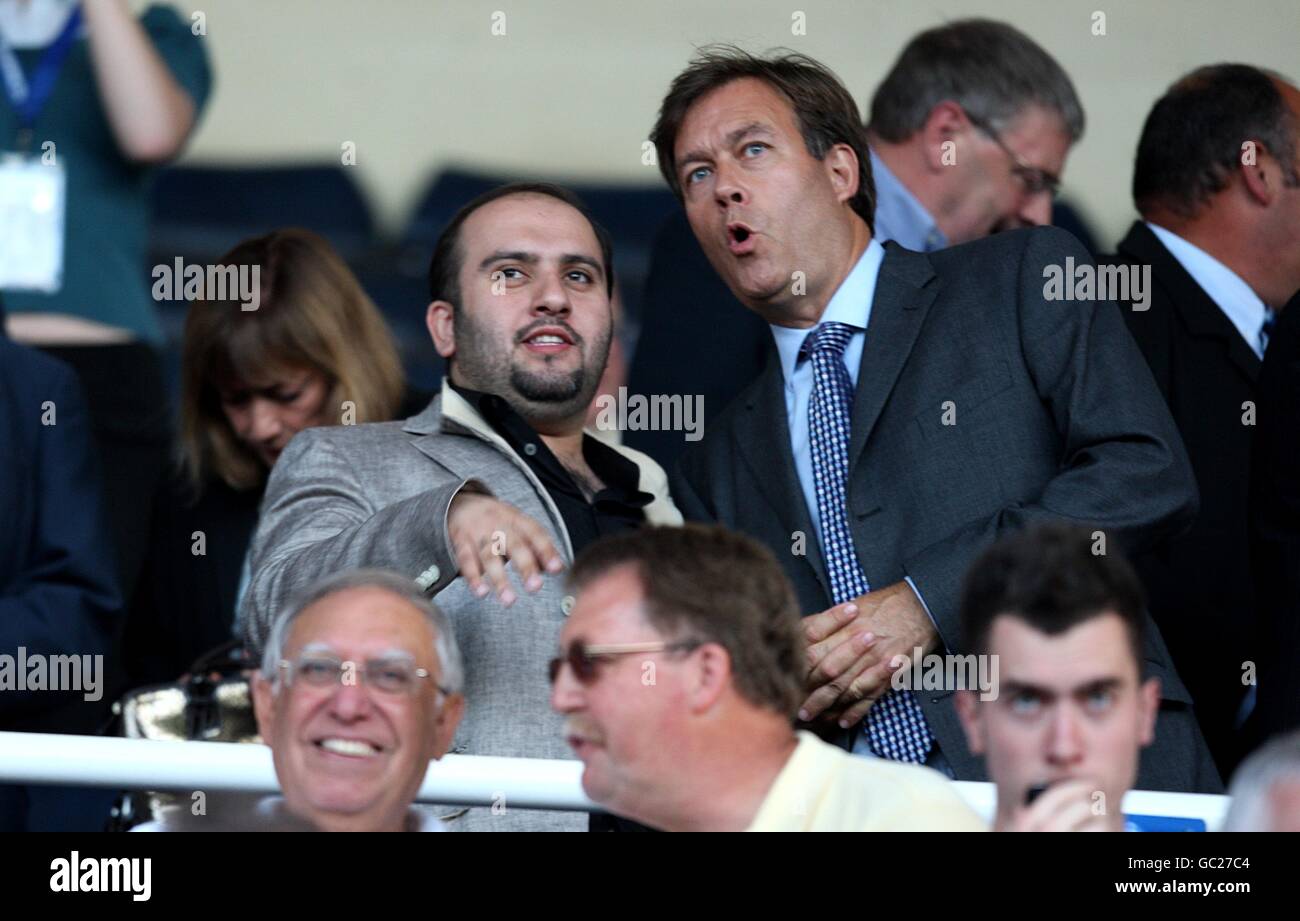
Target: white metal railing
140, 764
468, 780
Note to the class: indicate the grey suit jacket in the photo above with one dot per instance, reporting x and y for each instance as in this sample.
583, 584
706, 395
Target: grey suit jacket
1056, 417
343, 497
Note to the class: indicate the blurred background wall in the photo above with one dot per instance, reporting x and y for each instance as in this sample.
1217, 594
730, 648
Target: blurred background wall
572, 87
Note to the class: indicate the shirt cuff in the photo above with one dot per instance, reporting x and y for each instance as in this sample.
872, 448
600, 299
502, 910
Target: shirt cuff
921, 598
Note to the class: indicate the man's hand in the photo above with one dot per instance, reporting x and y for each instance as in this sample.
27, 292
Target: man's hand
853, 648
1065, 806
485, 533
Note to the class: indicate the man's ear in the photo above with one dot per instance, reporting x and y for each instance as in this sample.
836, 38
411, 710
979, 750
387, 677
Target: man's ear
263, 707
453, 709
842, 167
968, 711
947, 122
1261, 177
1149, 705
712, 678
440, 319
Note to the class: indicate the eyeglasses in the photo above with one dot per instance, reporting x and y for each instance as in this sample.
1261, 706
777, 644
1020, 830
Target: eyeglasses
584, 659
1036, 181
393, 676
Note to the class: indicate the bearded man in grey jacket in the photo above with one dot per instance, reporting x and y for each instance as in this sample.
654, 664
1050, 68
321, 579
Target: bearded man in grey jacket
486, 495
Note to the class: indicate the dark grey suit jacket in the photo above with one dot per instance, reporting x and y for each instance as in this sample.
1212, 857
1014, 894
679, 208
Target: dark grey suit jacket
1057, 417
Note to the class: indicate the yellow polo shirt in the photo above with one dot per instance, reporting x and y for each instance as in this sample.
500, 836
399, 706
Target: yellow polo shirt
824, 788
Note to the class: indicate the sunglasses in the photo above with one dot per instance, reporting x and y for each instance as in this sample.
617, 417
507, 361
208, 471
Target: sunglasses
584, 660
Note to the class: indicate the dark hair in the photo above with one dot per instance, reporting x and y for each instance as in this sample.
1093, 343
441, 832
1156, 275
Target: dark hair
990, 69
825, 110
1049, 576
444, 267
1192, 140
707, 583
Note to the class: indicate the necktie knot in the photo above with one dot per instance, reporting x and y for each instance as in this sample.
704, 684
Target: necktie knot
1266, 329
827, 337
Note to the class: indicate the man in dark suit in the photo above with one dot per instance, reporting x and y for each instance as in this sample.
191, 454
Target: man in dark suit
920, 406
1217, 184
1275, 527
58, 586
969, 133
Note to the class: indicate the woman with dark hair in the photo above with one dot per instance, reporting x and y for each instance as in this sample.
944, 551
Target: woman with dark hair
315, 351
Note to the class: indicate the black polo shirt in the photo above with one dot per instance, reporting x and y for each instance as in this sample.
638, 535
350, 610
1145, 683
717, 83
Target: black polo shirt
619, 506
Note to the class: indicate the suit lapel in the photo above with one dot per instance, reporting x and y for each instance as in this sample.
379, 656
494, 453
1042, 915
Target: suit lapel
427, 424
904, 293
437, 442
762, 435
1197, 311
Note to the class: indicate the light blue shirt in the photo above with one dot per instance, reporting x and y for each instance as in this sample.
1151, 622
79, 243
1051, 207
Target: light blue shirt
1229, 291
900, 216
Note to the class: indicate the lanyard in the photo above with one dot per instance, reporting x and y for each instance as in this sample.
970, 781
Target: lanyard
28, 98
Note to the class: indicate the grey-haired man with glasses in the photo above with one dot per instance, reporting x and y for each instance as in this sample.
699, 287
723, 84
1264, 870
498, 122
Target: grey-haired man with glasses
359, 690
969, 134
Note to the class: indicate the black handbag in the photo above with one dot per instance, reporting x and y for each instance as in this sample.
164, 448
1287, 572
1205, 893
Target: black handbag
213, 702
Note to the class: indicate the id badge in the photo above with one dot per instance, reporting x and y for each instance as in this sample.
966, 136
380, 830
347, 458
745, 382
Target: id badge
33, 198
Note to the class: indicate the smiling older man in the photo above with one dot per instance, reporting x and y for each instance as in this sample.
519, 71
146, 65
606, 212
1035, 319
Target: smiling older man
359, 691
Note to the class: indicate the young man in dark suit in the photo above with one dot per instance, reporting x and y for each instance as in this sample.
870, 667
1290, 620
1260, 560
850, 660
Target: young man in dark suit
1217, 183
920, 405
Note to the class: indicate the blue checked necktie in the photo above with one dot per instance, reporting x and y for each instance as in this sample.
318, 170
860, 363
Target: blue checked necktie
1266, 330
895, 725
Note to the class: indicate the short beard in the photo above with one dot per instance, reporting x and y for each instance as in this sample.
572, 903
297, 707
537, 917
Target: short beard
539, 397
545, 388
547, 398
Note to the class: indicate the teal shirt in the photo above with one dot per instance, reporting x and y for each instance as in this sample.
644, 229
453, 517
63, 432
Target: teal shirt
105, 277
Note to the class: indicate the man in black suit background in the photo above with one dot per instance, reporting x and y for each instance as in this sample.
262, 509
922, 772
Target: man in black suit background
58, 585
979, 405
1275, 527
1217, 184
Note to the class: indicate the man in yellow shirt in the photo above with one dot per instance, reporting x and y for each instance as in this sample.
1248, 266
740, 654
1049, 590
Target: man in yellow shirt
682, 666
